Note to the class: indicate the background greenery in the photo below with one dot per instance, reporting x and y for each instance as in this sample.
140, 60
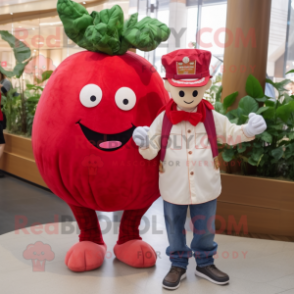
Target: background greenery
19, 104
271, 153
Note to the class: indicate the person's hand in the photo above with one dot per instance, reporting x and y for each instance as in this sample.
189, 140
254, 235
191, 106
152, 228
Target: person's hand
140, 137
255, 126
1, 86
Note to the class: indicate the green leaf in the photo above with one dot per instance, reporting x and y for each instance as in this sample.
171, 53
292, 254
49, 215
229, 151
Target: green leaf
241, 148
257, 153
278, 127
229, 100
251, 161
267, 137
256, 157
232, 114
287, 98
38, 81
285, 111
131, 22
218, 106
291, 135
262, 109
248, 105
259, 160
76, 20
253, 87
147, 34
33, 87
269, 113
228, 155
270, 103
290, 71
289, 152
21, 51
242, 118
279, 86
218, 94
17, 71
277, 153
263, 99
234, 120
46, 75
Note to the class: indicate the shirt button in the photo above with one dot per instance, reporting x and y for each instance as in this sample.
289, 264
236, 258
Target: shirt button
189, 131
190, 152
191, 173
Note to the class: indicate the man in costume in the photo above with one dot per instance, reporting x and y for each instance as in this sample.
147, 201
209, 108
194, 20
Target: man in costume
186, 132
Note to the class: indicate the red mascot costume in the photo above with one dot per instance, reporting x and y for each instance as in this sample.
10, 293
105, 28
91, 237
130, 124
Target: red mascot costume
82, 132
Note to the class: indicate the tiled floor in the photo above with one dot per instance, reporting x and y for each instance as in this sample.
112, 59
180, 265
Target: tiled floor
255, 266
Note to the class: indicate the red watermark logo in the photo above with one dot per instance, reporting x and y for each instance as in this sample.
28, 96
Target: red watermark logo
92, 163
38, 41
38, 253
4, 63
238, 38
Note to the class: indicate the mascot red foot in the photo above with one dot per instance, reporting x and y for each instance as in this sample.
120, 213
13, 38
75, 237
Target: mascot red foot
82, 133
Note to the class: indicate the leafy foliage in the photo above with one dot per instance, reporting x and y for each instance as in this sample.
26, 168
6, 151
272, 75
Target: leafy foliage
272, 152
11, 103
107, 32
20, 108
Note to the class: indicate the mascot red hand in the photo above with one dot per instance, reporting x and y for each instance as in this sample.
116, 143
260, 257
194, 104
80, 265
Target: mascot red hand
82, 133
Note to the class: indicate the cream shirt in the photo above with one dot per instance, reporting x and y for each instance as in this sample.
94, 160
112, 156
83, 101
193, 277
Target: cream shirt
189, 174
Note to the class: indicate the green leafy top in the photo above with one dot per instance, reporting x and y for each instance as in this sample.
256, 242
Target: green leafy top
106, 31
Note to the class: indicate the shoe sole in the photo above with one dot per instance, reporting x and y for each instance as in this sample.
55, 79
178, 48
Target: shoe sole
209, 279
174, 288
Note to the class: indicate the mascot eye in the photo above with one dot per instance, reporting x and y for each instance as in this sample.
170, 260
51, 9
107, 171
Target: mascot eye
125, 98
195, 93
91, 95
182, 93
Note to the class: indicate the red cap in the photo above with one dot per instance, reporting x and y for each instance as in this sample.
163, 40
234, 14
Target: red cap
187, 67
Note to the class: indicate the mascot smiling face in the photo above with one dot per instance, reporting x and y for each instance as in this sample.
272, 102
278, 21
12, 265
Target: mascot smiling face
90, 108
82, 133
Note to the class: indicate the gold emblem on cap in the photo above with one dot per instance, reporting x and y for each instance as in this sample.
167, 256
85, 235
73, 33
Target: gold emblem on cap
186, 59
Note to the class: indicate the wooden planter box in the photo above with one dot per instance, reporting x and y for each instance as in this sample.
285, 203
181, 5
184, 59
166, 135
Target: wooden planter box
18, 159
267, 205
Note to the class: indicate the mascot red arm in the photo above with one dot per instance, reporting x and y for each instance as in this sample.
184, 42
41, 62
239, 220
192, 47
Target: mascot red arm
82, 132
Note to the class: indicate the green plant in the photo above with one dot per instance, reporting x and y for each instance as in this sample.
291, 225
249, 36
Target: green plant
17, 107
33, 94
22, 55
272, 152
19, 104
12, 107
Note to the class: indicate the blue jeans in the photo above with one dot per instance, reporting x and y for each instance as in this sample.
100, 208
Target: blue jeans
203, 246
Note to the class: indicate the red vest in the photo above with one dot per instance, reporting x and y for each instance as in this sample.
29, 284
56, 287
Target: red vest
210, 129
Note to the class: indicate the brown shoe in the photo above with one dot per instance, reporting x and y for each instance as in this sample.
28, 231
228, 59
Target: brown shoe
173, 278
212, 274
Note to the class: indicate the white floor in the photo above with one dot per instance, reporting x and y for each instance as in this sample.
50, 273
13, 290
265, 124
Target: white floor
254, 266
